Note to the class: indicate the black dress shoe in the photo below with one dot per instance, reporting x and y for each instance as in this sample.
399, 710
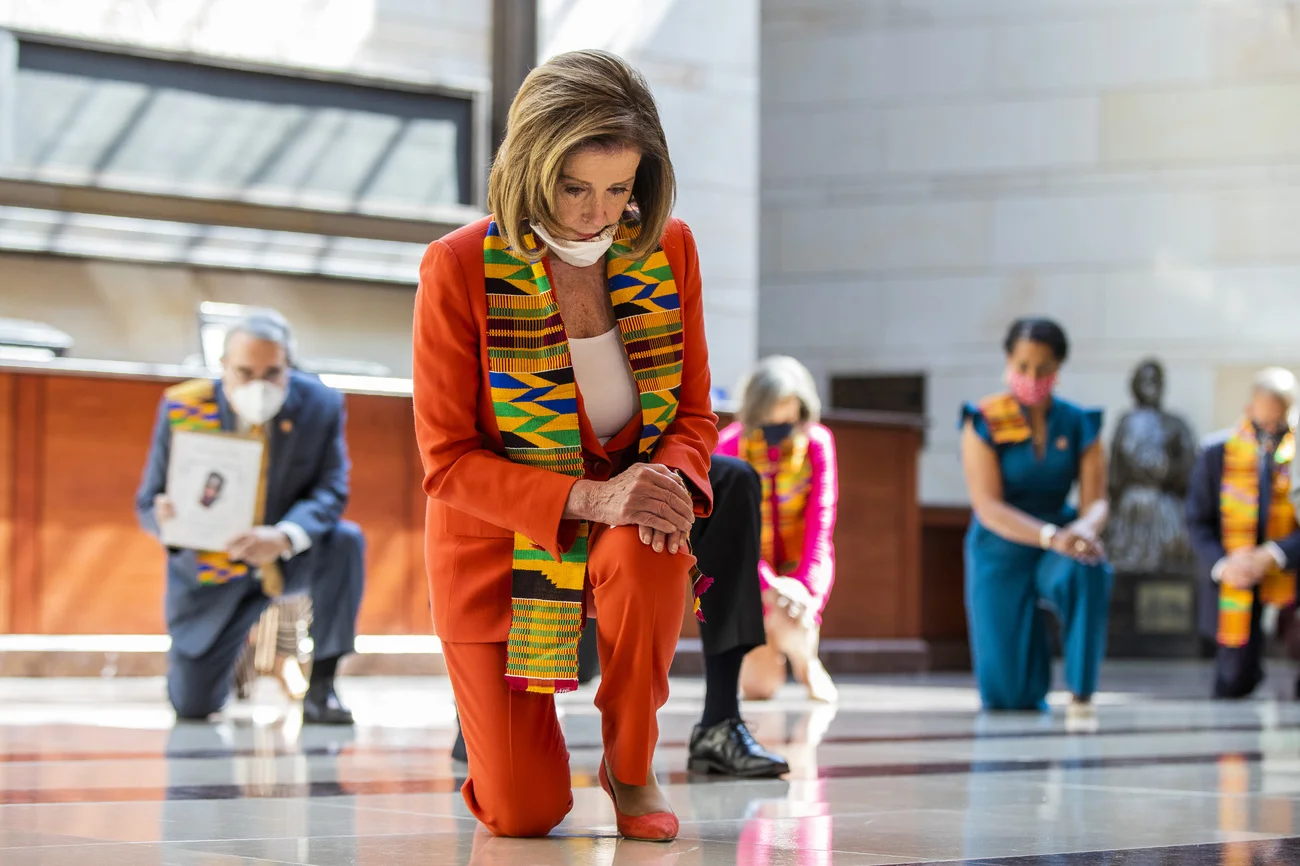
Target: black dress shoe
728, 748
327, 710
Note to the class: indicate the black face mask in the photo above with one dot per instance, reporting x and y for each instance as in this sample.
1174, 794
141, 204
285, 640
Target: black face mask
1268, 440
775, 434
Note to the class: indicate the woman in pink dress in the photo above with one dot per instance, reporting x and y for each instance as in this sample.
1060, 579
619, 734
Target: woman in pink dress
778, 432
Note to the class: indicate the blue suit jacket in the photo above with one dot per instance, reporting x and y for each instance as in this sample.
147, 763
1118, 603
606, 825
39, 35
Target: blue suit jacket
1206, 532
307, 484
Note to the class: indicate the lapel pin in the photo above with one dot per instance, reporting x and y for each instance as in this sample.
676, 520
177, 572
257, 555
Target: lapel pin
286, 426
1063, 444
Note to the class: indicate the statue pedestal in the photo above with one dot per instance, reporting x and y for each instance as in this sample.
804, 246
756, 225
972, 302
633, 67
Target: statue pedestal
1154, 616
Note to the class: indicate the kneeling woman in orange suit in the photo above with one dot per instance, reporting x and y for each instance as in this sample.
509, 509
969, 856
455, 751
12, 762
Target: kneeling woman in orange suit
562, 411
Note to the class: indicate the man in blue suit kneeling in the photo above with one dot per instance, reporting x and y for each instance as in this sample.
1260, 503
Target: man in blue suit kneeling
214, 599
1242, 525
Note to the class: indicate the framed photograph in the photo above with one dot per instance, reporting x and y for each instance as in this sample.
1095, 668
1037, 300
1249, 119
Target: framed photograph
212, 479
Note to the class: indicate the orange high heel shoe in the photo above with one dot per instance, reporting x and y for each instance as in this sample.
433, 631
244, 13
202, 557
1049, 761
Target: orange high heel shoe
655, 827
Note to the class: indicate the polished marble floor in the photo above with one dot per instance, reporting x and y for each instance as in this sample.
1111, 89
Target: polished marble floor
904, 770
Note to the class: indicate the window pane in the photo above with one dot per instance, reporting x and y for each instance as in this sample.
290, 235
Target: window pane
179, 127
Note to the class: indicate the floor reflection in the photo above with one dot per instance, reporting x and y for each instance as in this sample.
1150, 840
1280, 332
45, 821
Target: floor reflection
265, 760
797, 828
904, 771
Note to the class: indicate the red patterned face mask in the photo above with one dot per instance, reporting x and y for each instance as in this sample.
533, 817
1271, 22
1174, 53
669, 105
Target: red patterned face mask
1030, 391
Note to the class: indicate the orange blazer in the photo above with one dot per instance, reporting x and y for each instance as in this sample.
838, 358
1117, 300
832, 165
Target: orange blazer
477, 498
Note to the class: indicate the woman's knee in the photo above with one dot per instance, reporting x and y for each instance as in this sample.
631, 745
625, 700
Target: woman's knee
762, 674
531, 804
532, 824
999, 695
620, 555
1081, 590
760, 687
1098, 580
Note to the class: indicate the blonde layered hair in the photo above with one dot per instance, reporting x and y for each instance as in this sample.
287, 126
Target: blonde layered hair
574, 101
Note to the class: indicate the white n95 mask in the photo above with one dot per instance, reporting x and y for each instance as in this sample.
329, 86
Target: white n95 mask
257, 402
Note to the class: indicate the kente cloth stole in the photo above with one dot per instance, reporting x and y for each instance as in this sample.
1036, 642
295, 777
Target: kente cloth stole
193, 406
1239, 522
535, 399
789, 483
1006, 420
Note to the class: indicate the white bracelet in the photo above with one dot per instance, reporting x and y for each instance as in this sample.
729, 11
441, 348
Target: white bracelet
1046, 534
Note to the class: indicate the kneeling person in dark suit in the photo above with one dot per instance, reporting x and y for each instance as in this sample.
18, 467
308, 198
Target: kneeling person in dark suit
727, 546
213, 599
1242, 525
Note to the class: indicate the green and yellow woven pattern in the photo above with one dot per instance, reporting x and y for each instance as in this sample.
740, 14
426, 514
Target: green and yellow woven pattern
787, 484
535, 399
192, 405
1007, 422
1239, 496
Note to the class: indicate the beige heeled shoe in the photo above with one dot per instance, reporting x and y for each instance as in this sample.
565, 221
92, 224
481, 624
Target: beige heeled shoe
292, 680
1081, 718
820, 686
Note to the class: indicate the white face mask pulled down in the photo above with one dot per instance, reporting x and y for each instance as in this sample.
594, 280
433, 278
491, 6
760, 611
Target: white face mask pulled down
257, 402
579, 254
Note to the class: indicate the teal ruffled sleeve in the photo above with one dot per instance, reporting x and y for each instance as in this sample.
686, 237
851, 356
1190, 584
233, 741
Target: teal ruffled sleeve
1090, 424
971, 412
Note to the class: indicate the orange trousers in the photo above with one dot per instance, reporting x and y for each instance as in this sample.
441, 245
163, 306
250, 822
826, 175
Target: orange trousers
519, 782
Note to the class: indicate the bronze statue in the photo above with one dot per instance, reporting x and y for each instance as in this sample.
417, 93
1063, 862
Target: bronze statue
1151, 464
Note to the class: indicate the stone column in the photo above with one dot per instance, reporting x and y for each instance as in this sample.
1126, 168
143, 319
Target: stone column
514, 53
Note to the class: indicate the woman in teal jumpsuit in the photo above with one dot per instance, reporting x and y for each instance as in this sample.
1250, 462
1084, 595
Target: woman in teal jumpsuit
1028, 552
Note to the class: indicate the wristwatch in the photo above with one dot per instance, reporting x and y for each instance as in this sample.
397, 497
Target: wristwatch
1047, 534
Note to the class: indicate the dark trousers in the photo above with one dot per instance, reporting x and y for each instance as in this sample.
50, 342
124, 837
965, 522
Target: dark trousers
726, 544
332, 572
1238, 670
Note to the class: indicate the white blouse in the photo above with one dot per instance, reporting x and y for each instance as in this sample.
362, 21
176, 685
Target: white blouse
609, 393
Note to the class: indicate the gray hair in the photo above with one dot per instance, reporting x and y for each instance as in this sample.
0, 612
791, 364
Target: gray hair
774, 379
266, 325
1277, 382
